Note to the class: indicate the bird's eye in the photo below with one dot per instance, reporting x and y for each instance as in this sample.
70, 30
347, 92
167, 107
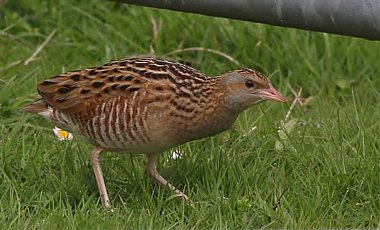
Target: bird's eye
249, 84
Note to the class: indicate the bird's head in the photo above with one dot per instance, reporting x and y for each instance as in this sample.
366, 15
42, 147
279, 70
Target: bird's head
246, 87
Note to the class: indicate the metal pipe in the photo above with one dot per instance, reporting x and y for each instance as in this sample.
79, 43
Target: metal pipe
358, 18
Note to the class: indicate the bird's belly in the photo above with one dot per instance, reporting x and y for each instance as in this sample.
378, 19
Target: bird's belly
154, 138
140, 135
130, 139
143, 130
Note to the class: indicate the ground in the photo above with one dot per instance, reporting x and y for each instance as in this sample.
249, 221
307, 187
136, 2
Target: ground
313, 164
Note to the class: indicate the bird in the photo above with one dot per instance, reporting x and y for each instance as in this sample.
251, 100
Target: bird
146, 105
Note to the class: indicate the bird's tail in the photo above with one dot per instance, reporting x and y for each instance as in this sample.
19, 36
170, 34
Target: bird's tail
36, 107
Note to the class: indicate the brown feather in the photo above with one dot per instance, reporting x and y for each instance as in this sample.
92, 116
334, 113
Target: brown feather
36, 107
71, 92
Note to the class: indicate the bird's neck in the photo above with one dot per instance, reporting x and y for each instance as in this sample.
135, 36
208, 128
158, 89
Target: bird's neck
221, 120
217, 117
211, 117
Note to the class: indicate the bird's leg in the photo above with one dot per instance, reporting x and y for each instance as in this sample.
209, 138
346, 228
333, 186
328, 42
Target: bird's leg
97, 167
151, 169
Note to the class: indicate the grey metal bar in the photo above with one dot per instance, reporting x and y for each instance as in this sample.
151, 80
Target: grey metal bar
358, 18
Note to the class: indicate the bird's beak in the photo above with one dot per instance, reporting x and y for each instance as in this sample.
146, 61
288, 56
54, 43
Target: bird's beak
272, 94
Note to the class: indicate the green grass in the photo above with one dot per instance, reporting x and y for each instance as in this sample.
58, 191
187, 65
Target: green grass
328, 166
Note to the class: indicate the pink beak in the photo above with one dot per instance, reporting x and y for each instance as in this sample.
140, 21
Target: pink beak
272, 94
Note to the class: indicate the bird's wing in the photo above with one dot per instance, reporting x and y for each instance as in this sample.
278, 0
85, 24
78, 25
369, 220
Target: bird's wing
77, 91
